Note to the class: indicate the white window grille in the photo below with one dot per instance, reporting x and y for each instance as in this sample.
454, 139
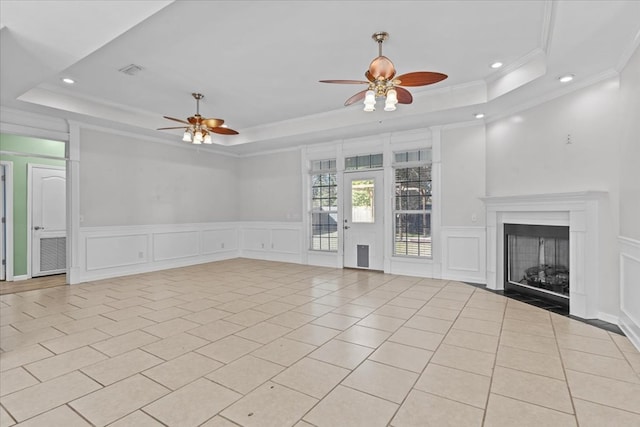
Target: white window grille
412, 204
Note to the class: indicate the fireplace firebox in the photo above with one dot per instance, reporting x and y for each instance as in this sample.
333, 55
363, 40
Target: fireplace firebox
537, 261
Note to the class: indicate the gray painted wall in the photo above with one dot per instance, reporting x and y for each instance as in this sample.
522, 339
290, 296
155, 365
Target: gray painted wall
629, 113
463, 176
128, 181
270, 187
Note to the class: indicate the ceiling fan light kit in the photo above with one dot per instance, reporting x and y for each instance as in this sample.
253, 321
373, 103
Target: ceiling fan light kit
199, 129
382, 84
381, 81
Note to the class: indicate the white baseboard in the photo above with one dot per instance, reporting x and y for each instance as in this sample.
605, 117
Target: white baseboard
89, 276
629, 320
610, 318
631, 330
21, 277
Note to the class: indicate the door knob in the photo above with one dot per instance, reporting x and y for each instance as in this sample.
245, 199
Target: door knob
346, 227
38, 228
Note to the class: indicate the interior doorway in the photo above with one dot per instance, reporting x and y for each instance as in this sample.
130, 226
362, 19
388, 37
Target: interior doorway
19, 153
364, 220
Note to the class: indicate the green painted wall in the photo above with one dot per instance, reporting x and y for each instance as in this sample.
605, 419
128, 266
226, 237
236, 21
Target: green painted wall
24, 144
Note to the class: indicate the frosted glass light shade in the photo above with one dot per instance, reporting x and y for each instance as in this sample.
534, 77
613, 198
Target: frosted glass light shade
370, 101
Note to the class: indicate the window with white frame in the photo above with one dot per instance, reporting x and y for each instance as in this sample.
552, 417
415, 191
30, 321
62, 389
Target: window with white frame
412, 204
324, 206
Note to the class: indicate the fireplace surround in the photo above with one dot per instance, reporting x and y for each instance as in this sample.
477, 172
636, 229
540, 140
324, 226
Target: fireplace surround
581, 212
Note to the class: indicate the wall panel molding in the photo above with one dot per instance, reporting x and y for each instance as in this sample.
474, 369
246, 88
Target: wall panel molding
629, 320
123, 250
463, 254
115, 251
119, 251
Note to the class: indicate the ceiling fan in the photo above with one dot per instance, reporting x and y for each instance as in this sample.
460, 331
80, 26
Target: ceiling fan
383, 83
198, 129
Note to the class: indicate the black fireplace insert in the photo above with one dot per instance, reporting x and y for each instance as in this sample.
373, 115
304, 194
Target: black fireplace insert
536, 261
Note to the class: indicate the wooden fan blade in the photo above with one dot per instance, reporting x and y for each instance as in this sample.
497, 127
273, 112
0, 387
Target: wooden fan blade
177, 120
223, 131
179, 127
345, 82
355, 98
369, 77
404, 96
212, 123
419, 78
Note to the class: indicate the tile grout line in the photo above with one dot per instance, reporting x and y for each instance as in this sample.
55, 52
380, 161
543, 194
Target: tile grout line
564, 371
395, 413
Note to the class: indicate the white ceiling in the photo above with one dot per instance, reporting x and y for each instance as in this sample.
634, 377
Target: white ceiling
258, 62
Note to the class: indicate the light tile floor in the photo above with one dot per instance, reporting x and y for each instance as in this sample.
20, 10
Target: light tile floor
256, 343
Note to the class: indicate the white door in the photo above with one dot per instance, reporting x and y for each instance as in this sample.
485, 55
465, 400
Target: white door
48, 220
364, 220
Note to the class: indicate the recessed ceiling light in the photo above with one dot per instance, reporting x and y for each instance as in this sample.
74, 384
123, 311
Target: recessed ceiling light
479, 115
565, 79
68, 81
497, 64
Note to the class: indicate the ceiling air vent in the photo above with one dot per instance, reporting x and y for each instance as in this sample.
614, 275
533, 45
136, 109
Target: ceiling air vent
131, 70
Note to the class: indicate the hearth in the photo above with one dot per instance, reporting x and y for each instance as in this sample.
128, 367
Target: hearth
536, 261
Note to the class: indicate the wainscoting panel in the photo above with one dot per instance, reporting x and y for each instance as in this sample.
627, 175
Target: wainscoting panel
629, 320
116, 251
463, 254
256, 239
214, 241
272, 241
285, 240
174, 245
119, 251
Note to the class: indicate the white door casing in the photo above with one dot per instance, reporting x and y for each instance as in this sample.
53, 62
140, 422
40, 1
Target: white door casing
364, 220
47, 196
7, 200
3, 226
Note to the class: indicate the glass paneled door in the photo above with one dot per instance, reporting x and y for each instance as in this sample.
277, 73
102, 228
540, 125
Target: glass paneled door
364, 220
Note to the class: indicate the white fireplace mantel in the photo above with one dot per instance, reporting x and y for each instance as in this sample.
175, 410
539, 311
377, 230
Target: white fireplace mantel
580, 211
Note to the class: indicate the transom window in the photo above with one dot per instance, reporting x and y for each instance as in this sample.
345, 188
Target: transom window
412, 205
324, 206
368, 161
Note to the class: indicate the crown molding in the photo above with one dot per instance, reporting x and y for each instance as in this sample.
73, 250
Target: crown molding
142, 137
548, 21
628, 53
